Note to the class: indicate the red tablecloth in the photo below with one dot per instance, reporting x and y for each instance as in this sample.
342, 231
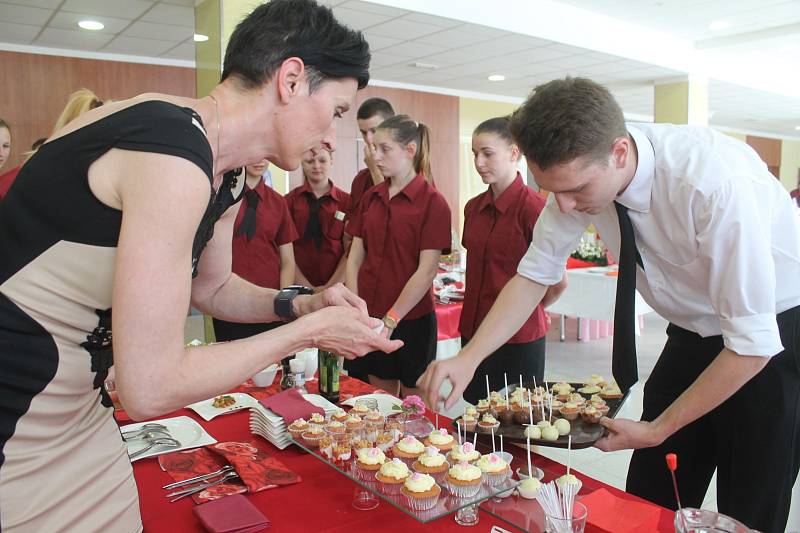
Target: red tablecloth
322, 501
447, 317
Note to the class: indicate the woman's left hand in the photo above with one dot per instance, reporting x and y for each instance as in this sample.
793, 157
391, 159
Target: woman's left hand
335, 295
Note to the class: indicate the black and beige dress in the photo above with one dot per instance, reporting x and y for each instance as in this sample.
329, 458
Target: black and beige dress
63, 464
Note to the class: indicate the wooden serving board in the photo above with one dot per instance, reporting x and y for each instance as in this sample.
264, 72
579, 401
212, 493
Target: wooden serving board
583, 433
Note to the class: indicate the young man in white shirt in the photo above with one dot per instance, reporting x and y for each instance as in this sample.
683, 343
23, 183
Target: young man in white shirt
718, 250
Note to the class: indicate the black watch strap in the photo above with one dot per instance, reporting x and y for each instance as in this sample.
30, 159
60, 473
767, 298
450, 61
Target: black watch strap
283, 300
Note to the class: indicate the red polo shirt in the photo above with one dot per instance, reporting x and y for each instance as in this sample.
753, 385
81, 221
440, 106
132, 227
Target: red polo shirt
259, 260
497, 234
318, 264
361, 184
395, 231
7, 179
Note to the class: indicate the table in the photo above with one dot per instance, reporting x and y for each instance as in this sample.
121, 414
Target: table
591, 294
321, 502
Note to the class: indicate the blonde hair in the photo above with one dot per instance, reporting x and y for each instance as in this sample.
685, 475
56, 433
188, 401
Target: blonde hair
79, 102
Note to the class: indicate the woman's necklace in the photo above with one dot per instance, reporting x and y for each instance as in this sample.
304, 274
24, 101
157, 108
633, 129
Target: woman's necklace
216, 112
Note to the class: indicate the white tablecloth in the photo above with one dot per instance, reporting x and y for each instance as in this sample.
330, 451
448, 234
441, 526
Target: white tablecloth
591, 294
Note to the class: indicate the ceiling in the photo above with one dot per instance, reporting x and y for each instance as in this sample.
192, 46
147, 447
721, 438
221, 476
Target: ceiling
428, 51
156, 29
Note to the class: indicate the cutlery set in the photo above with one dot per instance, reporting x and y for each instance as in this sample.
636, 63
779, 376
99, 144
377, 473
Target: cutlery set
153, 435
200, 483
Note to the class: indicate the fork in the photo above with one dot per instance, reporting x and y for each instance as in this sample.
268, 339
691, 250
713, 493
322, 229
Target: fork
193, 490
197, 479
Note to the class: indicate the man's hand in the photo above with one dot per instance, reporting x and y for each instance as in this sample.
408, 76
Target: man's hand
626, 434
459, 370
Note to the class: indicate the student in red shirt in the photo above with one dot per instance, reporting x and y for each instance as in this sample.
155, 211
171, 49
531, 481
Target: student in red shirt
498, 226
399, 232
318, 210
262, 246
371, 113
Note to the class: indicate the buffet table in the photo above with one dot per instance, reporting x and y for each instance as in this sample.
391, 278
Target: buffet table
590, 297
322, 501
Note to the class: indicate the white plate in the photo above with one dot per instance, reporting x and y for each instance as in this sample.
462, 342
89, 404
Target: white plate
181, 428
385, 402
207, 410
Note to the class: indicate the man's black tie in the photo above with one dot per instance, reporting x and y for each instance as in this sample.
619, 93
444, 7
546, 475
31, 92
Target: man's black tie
623, 362
314, 227
248, 225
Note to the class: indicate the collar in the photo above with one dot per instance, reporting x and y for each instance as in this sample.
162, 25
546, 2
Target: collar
261, 189
334, 191
411, 191
637, 194
506, 198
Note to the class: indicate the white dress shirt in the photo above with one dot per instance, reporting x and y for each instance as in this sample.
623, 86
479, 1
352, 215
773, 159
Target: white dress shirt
718, 236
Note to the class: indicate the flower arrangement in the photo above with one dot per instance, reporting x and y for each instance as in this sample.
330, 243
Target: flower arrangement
591, 251
411, 405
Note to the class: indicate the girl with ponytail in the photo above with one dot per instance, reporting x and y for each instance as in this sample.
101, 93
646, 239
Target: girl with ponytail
399, 231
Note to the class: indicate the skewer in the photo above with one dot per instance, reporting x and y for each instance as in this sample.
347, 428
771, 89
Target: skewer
569, 455
501, 443
505, 382
437, 419
493, 448
458, 428
488, 392
474, 440
530, 469
672, 464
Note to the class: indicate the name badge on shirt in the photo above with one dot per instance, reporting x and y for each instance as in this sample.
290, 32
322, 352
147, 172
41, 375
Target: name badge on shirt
339, 215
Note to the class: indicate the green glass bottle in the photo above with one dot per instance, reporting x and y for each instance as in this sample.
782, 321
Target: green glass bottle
329, 376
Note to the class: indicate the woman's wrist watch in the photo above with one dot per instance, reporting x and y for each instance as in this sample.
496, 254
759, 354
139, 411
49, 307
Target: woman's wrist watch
391, 319
283, 300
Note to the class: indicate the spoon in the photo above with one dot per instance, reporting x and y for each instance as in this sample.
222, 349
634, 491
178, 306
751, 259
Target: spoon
171, 443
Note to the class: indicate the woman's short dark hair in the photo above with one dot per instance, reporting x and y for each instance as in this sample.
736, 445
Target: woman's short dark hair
375, 106
497, 126
565, 119
281, 29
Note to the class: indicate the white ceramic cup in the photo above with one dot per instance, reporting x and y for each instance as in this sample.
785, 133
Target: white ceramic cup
266, 376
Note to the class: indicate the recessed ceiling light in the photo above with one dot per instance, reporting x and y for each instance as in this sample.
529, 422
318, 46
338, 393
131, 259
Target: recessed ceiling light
200, 38
496, 77
718, 25
91, 25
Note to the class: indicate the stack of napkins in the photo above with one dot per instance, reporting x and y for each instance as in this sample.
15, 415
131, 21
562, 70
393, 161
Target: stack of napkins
266, 423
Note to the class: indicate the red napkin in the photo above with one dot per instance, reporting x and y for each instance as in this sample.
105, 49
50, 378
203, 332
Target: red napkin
256, 468
291, 405
609, 513
231, 515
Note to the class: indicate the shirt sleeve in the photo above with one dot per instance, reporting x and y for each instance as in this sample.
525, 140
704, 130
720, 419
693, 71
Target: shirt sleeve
286, 231
734, 242
436, 226
355, 225
555, 236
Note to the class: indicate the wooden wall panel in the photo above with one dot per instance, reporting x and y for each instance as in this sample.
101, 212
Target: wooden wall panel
439, 112
769, 150
34, 89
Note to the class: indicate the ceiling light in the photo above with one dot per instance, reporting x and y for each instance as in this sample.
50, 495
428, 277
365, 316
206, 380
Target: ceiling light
426, 66
91, 25
496, 77
718, 25
200, 38
797, 128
